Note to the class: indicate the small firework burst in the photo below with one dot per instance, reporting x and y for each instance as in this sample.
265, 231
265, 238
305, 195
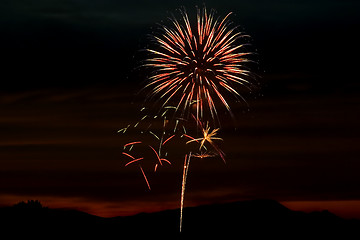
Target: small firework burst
194, 66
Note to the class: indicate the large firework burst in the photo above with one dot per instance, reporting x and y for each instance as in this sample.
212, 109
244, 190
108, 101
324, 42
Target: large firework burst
195, 66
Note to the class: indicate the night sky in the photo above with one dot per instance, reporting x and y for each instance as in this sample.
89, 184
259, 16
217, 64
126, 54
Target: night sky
69, 80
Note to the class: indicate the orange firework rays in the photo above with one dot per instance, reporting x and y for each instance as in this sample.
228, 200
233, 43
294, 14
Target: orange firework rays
195, 65
208, 136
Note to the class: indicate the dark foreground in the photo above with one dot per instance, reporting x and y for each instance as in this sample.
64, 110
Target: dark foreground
258, 219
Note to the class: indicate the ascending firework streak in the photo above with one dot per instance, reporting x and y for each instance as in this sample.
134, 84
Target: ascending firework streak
183, 185
198, 64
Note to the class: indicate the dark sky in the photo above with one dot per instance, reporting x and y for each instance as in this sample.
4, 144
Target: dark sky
68, 84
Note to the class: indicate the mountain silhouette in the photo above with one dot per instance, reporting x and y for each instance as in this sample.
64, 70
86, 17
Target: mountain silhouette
256, 219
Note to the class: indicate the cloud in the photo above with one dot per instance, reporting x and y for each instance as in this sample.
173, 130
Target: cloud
65, 143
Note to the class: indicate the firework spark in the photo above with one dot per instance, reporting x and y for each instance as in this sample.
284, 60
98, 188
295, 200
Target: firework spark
135, 160
130, 156
168, 139
158, 157
195, 65
131, 143
147, 182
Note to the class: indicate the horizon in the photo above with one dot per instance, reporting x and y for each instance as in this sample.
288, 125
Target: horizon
346, 209
212, 220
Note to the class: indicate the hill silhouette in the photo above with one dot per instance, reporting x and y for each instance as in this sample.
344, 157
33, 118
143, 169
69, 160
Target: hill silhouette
257, 219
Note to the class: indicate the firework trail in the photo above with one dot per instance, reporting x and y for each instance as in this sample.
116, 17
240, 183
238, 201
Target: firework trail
147, 182
194, 66
185, 173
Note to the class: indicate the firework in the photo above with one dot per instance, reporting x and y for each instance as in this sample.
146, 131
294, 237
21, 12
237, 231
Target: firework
194, 66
